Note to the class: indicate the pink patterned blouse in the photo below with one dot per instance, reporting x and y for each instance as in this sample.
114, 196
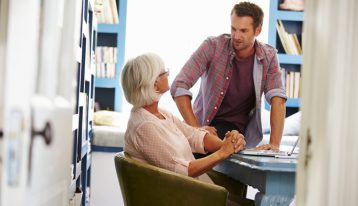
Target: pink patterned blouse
167, 143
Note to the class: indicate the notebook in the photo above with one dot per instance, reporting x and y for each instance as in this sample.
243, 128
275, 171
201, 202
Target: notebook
271, 153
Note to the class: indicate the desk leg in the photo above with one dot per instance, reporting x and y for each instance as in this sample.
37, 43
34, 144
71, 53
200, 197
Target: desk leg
277, 189
262, 199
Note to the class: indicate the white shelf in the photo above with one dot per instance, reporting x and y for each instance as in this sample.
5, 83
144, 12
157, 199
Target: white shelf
82, 99
85, 29
78, 170
85, 69
90, 113
72, 190
85, 149
74, 122
89, 158
93, 65
94, 23
88, 74
78, 54
91, 6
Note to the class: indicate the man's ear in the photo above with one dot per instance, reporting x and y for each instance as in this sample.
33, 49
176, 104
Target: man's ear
258, 30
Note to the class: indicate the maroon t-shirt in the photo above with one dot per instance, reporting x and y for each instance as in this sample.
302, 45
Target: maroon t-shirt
240, 95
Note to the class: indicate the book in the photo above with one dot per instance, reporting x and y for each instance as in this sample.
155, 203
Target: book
289, 42
281, 34
114, 11
292, 84
297, 43
288, 85
293, 44
297, 77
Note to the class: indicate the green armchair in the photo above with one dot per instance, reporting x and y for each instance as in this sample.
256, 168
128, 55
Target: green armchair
144, 184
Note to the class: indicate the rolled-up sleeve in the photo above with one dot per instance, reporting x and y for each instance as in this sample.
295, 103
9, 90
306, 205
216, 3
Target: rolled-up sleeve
192, 70
274, 86
181, 165
279, 92
182, 92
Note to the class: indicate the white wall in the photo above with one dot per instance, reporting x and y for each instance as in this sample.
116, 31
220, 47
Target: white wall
174, 30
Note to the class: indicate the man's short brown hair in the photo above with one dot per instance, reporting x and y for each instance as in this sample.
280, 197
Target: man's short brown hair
249, 9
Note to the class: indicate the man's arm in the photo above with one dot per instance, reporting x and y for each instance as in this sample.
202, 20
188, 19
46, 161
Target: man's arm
275, 91
192, 70
277, 121
186, 110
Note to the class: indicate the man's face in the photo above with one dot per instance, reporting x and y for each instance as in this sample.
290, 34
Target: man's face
243, 33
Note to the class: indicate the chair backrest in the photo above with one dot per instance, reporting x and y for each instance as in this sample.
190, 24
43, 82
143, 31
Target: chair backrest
144, 184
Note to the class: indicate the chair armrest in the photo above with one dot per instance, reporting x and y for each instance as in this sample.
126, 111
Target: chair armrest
157, 186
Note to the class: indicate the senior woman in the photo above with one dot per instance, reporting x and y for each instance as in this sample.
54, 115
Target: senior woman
157, 137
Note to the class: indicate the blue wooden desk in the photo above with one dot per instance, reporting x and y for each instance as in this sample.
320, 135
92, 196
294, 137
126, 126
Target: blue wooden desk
273, 177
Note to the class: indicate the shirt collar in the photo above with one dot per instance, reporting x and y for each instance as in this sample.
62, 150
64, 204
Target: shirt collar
258, 50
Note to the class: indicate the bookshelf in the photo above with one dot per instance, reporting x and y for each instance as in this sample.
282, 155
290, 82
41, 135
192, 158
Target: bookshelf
107, 87
289, 56
83, 114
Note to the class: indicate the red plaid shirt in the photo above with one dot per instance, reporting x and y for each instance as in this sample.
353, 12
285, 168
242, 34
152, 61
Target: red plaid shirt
213, 62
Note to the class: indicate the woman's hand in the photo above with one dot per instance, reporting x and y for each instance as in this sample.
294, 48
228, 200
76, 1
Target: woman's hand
233, 142
238, 140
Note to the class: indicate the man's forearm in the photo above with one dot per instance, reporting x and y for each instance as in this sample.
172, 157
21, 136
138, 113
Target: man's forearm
186, 110
277, 120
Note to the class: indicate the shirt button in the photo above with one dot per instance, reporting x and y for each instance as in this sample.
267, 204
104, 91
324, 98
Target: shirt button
227, 78
221, 93
215, 108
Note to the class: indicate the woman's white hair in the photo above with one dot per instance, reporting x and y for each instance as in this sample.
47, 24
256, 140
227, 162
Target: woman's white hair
138, 78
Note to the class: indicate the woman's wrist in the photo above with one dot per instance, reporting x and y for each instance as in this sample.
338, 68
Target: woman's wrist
223, 154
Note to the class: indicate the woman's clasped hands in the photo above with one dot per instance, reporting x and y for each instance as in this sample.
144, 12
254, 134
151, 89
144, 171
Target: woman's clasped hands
233, 142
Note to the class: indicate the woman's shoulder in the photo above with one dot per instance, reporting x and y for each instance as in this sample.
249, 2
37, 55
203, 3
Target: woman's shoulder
168, 115
137, 118
165, 112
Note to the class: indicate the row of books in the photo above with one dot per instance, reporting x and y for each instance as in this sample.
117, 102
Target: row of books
106, 54
292, 82
106, 59
290, 42
105, 70
106, 12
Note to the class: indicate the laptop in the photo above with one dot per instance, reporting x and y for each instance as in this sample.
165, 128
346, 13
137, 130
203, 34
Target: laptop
271, 153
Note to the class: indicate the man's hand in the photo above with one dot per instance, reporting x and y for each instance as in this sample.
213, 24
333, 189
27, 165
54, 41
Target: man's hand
268, 147
211, 130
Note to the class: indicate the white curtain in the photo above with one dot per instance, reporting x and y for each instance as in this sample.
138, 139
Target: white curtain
327, 173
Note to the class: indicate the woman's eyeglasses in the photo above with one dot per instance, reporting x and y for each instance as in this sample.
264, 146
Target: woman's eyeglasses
165, 72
